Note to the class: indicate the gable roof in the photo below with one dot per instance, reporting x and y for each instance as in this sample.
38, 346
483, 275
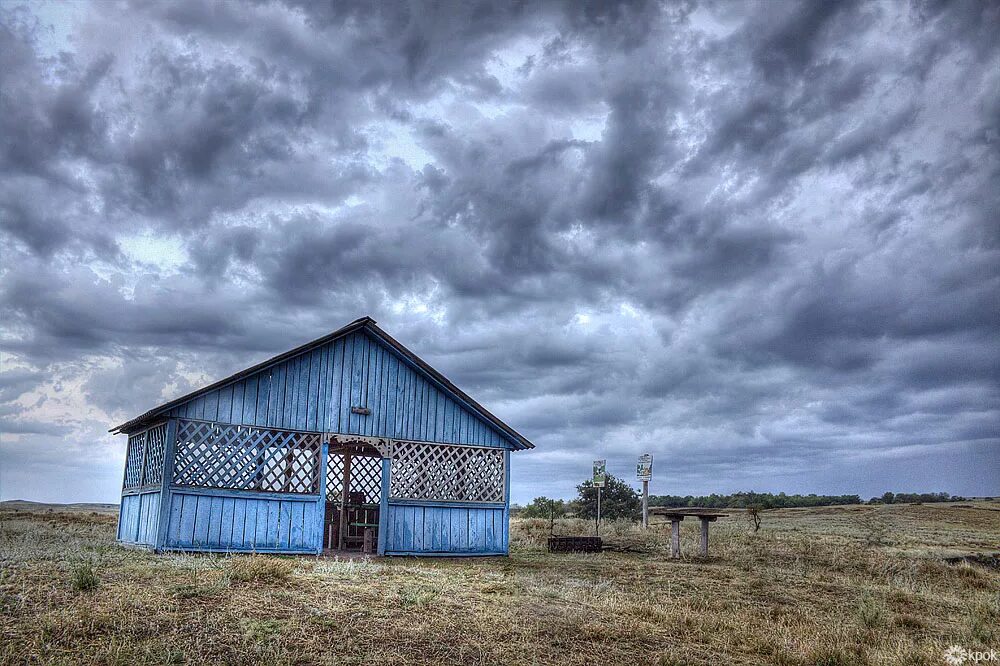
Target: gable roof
368, 324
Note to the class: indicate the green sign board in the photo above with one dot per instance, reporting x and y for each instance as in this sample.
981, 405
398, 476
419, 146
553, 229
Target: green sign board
644, 469
600, 473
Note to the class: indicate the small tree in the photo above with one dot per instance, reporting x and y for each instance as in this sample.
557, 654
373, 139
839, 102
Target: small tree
543, 507
618, 500
753, 516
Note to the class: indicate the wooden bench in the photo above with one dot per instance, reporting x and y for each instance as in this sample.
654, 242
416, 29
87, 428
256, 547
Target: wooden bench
675, 516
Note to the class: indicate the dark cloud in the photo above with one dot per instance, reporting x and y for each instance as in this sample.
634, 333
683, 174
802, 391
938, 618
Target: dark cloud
763, 232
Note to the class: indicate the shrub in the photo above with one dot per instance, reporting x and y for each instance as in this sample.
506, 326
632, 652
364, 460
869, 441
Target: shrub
84, 577
870, 612
417, 595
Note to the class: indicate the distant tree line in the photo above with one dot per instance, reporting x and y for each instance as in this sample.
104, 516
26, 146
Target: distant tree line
619, 500
743, 500
915, 498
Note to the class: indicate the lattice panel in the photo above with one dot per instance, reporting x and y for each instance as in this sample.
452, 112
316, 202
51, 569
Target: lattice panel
215, 455
133, 460
156, 439
334, 477
366, 479
442, 472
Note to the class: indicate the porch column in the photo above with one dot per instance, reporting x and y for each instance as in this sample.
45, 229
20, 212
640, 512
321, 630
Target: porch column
343, 501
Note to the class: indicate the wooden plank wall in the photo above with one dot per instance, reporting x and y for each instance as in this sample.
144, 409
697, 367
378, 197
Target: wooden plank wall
234, 521
412, 529
138, 518
316, 390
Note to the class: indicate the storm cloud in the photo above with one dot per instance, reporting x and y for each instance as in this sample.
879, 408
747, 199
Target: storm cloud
759, 240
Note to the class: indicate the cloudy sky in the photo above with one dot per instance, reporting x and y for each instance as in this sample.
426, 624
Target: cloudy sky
761, 241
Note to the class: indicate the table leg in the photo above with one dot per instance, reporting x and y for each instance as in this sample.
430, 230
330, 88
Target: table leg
675, 538
704, 537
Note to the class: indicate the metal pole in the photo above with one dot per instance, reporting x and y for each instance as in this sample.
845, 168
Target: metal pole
645, 504
597, 518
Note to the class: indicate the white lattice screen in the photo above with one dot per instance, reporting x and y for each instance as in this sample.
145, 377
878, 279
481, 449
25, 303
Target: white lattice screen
133, 460
441, 472
156, 439
215, 455
366, 479
144, 458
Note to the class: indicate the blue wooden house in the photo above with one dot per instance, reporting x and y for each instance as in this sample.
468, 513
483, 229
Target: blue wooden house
347, 442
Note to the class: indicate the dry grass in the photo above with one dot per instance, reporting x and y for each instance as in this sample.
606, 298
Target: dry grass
812, 587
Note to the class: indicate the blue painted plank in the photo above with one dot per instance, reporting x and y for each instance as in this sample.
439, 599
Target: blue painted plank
490, 533
171, 532
296, 517
202, 520
226, 524
336, 386
236, 412
225, 404
187, 516
279, 395
397, 529
448, 427
123, 518
153, 518
459, 530
198, 408
239, 509
261, 539
439, 405
429, 538
357, 380
302, 396
250, 524
218, 527
249, 400
371, 388
397, 399
475, 532
212, 405
295, 406
135, 518
407, 404
418, 527
263, 398
320, 406
275, 403
419, 411
145, 502
287, 419
378, 392
284, 524
271, 527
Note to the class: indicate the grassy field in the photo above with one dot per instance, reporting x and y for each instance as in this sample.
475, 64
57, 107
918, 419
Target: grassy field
838, 585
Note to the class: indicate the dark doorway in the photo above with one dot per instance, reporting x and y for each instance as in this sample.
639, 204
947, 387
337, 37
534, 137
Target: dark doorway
353, 499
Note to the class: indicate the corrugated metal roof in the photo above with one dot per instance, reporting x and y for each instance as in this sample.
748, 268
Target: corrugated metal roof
363, 323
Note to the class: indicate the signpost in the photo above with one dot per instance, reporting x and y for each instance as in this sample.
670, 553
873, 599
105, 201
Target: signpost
644, 472
600, 479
